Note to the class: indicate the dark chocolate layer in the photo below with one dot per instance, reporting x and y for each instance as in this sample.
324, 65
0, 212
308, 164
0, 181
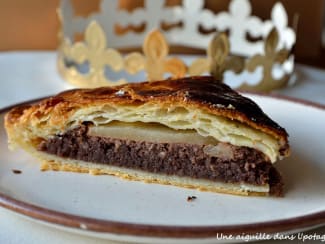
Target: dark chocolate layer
246, 164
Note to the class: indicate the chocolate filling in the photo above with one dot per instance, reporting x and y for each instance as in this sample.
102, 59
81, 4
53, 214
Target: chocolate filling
245, 165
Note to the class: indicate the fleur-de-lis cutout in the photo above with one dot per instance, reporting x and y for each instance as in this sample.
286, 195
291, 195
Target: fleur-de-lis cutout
155, 49
271, 56
94, 51
218, 51
279, 16
216, 61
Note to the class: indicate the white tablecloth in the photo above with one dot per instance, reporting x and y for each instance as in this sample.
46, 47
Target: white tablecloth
29, 75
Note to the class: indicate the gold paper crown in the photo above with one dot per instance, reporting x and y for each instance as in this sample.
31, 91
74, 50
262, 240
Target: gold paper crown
262, 65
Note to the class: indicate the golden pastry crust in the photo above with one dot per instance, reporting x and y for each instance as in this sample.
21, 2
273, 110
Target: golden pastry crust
202, 93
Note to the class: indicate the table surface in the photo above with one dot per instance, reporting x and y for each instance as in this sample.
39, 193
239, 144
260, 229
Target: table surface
29, 75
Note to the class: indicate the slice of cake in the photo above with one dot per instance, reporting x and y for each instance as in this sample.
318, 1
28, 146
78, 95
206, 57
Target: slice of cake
192, 132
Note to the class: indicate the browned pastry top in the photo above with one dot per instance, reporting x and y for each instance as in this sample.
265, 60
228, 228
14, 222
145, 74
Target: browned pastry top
202, 91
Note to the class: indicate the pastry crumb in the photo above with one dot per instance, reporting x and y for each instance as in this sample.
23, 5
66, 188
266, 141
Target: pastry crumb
191, 198
16, 171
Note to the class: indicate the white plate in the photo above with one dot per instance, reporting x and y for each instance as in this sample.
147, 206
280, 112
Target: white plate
109, 207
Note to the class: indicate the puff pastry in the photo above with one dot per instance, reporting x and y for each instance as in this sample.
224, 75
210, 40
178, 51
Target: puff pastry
192, 132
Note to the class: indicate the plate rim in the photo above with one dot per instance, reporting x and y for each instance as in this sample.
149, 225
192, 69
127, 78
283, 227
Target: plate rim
168, 231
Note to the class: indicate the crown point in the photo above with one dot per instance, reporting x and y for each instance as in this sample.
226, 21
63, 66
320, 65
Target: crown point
194, 4
95, 36
240, 8
279, 15
155, 45
271, 42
